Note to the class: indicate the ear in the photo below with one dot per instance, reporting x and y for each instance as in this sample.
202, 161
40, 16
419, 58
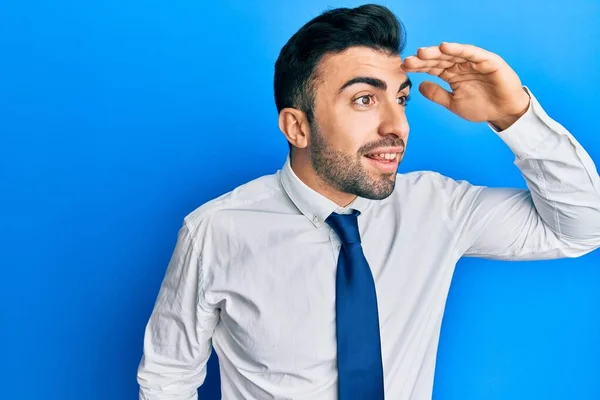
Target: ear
294, 125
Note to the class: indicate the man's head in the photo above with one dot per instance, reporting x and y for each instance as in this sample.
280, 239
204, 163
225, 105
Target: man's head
341, 92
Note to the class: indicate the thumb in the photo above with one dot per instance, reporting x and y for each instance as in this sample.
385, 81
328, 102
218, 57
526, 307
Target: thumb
436, 93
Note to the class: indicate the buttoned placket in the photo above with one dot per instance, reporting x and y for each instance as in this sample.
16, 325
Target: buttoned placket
336, 244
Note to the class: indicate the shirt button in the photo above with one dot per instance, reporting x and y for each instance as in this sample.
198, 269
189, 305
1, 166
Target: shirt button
315, 218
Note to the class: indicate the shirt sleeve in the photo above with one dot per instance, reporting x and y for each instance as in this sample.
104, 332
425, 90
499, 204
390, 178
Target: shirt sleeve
557, 217
177, 339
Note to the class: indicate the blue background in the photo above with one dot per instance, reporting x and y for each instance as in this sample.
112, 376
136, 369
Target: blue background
119, 118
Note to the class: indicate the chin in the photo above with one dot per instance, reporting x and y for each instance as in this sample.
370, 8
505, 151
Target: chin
377, 188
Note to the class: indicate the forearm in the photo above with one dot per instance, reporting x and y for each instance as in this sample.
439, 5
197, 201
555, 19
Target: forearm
562, 178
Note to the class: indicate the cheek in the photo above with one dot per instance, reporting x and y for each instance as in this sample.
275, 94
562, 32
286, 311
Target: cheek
352, 129
348, 136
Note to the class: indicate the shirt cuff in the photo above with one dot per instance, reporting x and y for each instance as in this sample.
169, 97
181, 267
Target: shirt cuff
533, 128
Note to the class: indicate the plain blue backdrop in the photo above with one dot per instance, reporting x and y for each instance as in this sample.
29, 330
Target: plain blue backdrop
119, 118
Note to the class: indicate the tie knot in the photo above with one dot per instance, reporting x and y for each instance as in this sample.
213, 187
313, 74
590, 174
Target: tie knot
346, 226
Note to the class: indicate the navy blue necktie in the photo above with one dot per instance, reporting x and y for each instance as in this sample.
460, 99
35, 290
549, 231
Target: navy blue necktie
360, 369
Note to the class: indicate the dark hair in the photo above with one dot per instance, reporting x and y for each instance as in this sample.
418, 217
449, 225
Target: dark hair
333, 31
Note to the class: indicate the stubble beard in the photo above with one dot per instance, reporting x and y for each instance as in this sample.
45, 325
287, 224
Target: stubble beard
345, 172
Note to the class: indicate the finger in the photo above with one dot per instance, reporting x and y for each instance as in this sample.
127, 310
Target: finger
466, 51
436, 93
436, 71
434, 52
480, 60
417, 63
453, 78
450, 74
432, 71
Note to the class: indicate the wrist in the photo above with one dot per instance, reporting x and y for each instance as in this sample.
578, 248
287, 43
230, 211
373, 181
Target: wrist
522, 107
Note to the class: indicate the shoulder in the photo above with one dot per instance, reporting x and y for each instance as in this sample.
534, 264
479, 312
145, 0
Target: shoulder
433, 180
223, 214
248, 195
431, 190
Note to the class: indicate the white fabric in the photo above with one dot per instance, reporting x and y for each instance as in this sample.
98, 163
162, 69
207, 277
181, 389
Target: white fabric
253, 271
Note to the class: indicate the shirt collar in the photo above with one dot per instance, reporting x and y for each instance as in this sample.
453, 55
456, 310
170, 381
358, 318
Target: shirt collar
311, 203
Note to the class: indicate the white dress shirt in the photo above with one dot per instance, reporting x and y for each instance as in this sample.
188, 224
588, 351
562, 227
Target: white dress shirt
253, 271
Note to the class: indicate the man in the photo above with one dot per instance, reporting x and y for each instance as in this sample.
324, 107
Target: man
328, 279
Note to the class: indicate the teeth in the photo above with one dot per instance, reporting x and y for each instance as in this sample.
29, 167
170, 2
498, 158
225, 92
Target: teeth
386, 156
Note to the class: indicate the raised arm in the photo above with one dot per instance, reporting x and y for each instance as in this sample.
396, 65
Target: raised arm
559, 215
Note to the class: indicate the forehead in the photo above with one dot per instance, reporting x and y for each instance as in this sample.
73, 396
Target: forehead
335, 69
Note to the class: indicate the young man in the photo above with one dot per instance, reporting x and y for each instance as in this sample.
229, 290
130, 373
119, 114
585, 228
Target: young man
328, 279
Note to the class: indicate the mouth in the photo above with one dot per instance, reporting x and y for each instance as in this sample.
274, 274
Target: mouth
385, 161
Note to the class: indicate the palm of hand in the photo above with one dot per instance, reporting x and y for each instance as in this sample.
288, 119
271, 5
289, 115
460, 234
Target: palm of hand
484, 87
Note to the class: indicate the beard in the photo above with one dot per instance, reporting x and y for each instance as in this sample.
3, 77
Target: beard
346, 172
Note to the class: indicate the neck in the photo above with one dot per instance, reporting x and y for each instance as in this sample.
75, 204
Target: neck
302, 167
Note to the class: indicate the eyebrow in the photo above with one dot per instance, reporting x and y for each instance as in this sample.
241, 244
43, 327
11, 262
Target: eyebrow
375, 82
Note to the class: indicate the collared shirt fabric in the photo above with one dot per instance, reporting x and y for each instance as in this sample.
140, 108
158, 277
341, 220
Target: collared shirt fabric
252, 275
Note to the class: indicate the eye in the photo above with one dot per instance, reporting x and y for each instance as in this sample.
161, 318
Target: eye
364, 101
403, 100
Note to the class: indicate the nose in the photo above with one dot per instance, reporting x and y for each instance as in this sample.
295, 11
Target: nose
394, 121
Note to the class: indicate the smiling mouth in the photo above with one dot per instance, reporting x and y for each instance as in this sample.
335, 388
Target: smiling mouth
384, 157
384, 162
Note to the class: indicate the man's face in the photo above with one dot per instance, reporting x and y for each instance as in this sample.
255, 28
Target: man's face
360, 129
